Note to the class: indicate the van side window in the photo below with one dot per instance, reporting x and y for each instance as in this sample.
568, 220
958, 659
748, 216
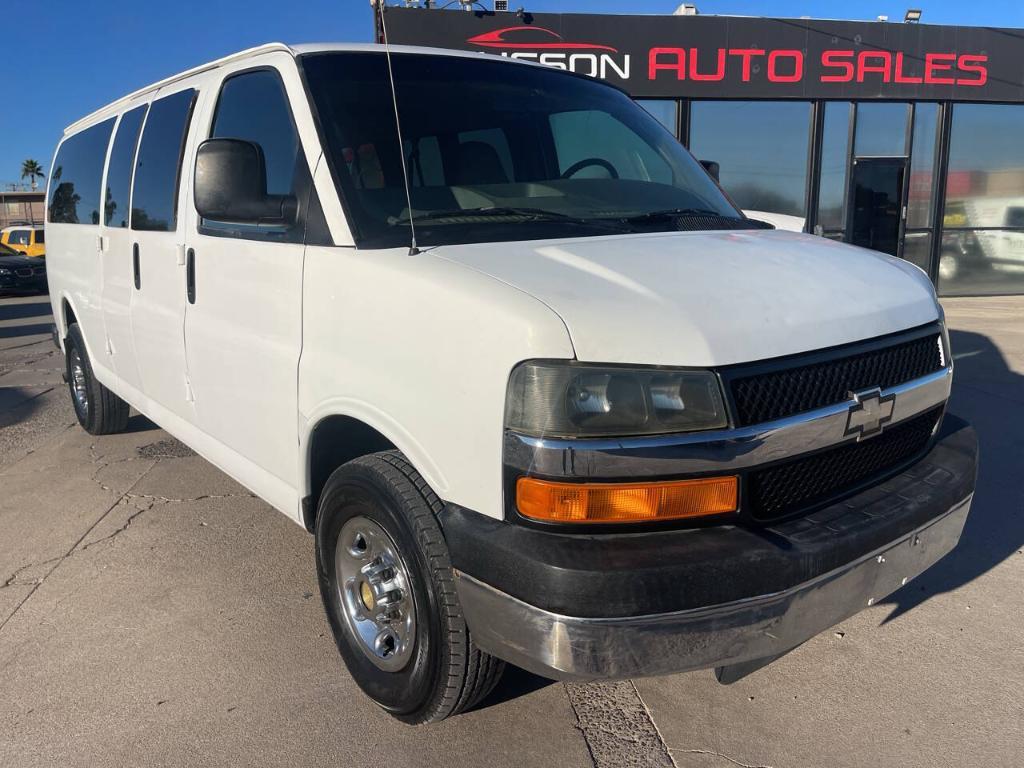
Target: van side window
119, 170
78, 175
157, 169
18, 237
253, 106
40, 236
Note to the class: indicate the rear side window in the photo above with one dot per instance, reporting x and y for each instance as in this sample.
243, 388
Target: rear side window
157, 169
40, 236
119, 171
253, 106
78, 175
19, 237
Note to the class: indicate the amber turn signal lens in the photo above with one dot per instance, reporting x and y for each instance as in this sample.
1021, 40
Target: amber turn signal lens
625, 502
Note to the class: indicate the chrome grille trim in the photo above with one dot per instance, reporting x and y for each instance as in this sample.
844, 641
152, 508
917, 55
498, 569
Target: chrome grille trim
713, 451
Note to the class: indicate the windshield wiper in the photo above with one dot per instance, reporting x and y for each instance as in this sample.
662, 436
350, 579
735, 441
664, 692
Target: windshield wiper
676, 213
531, 214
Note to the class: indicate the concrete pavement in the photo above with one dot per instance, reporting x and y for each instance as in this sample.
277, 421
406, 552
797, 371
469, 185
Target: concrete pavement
153, 612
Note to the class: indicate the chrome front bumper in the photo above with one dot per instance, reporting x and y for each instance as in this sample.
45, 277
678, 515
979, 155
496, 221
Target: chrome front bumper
573, 648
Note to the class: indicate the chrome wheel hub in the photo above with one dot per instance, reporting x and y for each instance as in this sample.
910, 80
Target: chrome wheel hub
78, 387
375, 593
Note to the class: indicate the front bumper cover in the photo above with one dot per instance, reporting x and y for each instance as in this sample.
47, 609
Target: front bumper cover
579, 607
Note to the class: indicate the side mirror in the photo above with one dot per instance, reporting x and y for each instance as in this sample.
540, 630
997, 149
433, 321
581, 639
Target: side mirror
712, 167
231, 185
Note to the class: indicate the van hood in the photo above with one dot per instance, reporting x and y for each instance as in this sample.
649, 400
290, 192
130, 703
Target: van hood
709, 298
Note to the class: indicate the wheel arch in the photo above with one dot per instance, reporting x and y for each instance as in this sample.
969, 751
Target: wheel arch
340, 435
66, 318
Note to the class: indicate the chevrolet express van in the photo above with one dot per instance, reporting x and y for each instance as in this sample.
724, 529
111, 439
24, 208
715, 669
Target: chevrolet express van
539, 390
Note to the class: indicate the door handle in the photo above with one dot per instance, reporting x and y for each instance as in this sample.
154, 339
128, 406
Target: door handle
135, 266
190, 276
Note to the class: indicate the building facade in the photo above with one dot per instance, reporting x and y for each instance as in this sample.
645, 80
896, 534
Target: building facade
901, 137
21, 207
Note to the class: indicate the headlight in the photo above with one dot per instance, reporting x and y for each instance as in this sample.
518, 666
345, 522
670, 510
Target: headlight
564, 399
4, 271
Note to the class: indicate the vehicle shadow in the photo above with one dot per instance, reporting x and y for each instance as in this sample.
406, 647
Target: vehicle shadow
988, 394
515, 682
13, 311
18, 404
33, 329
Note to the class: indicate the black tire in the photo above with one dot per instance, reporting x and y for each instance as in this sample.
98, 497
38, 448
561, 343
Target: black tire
99, 411
446, 673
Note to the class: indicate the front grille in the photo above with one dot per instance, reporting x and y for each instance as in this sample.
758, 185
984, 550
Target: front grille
37, 271
24, 272
783, 489
795, 388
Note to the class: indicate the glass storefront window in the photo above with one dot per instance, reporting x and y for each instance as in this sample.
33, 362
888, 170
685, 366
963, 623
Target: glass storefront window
986, 166
916, 248
983, 223
881, 129
835, 147
665, 111
922, 162
761, 149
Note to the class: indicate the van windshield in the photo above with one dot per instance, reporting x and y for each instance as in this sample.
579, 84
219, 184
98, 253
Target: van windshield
497, 151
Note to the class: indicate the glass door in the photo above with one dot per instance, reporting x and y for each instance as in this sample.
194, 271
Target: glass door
877, 203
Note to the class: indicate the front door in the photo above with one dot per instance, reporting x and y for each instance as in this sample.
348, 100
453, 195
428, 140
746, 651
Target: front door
877, 203
243, 322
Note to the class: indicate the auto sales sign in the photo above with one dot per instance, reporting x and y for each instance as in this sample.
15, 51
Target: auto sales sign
733, 57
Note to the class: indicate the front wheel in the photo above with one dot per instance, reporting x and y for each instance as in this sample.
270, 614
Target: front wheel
99, 411
387, 586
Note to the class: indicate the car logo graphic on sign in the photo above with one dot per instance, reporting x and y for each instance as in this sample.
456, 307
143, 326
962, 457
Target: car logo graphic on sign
532, 39
870, 413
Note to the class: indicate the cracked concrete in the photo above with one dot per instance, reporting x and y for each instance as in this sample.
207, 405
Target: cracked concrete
152, 611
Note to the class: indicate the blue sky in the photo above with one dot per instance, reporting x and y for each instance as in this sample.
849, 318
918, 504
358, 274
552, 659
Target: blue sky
77, 56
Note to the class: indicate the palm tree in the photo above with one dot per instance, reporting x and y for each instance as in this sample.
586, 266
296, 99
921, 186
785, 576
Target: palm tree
32, 170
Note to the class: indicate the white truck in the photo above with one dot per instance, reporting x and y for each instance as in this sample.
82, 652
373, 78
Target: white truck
541, 393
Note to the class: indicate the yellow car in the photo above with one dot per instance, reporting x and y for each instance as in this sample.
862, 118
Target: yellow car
27, 240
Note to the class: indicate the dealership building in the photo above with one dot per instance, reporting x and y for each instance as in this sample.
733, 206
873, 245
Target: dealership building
903, 137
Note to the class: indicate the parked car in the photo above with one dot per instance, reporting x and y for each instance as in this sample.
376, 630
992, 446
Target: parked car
596, 424
20, 274
26, 240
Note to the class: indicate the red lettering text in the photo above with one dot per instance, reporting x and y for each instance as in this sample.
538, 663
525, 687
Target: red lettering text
719, 74
746, 54
900, 77
676, 62
883, 67
938, 62
836, 60
976, 64
798, 66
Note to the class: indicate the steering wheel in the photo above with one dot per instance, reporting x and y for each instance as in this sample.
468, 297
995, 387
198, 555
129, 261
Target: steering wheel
575, 168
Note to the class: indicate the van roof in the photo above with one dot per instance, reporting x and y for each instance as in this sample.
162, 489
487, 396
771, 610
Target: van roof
294, 50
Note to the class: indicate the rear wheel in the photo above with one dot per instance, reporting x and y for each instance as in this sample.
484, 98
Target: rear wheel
99, 411
388, 589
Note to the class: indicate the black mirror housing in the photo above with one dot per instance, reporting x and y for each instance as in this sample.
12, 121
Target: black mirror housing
230, 185
713, 168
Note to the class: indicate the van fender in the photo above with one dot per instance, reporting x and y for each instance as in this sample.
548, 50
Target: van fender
377, 419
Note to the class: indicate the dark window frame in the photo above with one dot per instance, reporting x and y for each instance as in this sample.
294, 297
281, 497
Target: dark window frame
134, 159
189, 115
52, 190
302, 181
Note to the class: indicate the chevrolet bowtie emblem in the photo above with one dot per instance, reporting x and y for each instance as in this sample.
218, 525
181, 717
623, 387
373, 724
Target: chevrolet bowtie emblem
869, 413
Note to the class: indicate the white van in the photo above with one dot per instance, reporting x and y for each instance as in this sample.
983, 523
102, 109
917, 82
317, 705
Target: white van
539, 390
